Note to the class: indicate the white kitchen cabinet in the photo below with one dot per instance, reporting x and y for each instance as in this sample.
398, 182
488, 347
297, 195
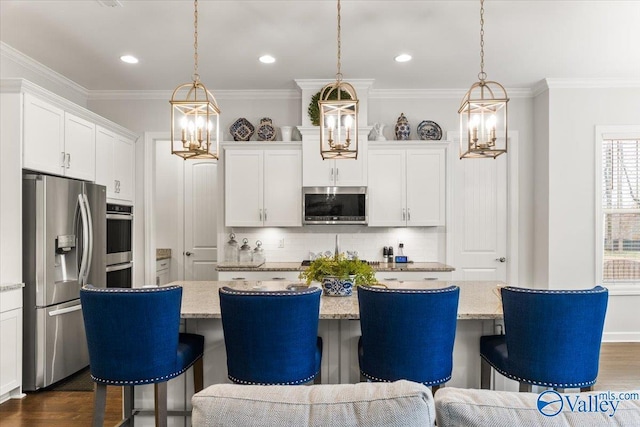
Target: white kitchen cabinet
229, 275
263, 187
407, 186
317, 172
56, 141
115, 156
413, 276
163, 271
11, 339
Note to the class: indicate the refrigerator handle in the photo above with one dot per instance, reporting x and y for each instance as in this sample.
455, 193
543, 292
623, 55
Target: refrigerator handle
90, 246
85, 240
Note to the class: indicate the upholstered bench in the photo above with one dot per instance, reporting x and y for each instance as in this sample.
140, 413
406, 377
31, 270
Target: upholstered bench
400, 403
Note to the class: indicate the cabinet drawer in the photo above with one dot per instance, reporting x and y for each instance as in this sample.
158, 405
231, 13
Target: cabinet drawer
163, 264
258, 275
412, 276
10, 300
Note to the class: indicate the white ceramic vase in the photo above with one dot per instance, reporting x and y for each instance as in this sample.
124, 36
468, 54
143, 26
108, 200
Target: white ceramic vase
286, 133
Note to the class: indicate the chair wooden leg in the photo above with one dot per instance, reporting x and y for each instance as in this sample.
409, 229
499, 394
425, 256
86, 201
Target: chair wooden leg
435, 388
160, 392
99, 404
318, 378
525, 387
586, 389
485, 374
127, 405
198, 375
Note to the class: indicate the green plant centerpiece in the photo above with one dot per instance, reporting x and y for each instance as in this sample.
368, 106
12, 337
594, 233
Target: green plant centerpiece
338, 274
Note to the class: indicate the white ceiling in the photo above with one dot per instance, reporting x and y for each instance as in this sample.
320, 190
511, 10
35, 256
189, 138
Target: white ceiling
526, 41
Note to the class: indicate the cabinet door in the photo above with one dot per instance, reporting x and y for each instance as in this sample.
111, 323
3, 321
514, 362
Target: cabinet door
80, 148
123, 168
426, 187
244, 195
316, 172
43, 136
105, 142
283, 188
387, 188
10, 350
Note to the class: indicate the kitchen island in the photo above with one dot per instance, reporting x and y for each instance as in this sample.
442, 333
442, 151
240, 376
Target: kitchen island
479, 313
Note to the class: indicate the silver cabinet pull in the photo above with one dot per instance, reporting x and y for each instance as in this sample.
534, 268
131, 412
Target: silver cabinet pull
260, 214
331, 175
63, 160
501, 259
265, 214
408, 214
188, 253
404, 214
337, 175
68, 160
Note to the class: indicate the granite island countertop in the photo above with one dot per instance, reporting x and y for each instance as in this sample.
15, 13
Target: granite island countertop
478, 299
295, 266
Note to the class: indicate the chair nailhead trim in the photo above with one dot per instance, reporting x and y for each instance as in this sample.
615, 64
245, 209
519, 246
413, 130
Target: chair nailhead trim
145, 381
534, 382
596, 290
239, 381
230, 291
410, 291
131, 290
435, 382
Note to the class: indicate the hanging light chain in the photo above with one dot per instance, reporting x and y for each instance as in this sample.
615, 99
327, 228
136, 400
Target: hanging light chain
339, 73
482, 75
196, 76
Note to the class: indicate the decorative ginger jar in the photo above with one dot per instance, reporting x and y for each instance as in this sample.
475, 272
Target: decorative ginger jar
402, 128
336, 287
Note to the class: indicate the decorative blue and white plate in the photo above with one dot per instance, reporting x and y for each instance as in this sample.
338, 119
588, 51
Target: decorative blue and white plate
241, 130
428, 130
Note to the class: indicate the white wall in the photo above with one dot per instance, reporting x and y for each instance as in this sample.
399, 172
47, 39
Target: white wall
573, 114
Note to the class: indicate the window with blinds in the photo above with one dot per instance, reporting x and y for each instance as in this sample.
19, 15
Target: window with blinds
621, 210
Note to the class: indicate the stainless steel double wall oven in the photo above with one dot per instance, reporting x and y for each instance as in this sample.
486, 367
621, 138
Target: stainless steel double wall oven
119, 246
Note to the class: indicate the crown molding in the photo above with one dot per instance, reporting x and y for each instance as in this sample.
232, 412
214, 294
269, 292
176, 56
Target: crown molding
43, 71
115, 95
437, 93
593, 83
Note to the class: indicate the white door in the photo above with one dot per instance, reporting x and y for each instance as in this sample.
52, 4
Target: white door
200, 219
480, 218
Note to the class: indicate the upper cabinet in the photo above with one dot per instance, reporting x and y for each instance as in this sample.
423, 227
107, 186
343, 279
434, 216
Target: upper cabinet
56, 141
61, 138
407, 185
115, 164
263, 186
317, 172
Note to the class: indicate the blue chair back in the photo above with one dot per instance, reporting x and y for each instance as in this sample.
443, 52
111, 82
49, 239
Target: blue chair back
553, 336
408, 333
132, 334
271, 337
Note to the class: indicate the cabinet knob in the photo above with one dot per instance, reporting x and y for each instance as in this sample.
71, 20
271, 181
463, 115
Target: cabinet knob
188, 253
501, 259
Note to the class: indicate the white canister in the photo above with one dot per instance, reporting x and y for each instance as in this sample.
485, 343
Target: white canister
286, 133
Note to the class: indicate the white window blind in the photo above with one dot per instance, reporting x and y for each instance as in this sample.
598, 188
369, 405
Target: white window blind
621, 210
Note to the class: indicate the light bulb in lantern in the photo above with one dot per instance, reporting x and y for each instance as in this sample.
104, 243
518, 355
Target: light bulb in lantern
491, 128
473, 125
183, 126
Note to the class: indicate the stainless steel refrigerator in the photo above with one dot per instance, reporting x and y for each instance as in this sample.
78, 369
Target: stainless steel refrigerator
64, 248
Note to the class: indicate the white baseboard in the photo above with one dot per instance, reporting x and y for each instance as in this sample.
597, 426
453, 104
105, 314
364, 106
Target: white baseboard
621, 336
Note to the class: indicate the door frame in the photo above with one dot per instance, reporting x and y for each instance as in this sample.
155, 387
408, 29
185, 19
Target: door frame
150, 141
512, 203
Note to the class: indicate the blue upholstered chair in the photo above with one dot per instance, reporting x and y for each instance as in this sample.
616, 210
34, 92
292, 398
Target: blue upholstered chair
271, 337
133, 338
552, 338
407, 334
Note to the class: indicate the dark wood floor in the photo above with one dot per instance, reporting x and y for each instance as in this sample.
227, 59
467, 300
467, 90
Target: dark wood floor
619, 370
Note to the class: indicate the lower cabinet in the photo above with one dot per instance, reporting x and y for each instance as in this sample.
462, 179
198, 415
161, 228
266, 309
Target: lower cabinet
11, 344
163, 271
412, 276
226, 276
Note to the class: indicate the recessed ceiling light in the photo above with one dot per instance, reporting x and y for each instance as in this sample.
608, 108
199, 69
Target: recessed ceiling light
404, 57
129, 59
267, 59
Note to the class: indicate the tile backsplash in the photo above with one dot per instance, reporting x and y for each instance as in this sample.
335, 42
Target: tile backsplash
421, 244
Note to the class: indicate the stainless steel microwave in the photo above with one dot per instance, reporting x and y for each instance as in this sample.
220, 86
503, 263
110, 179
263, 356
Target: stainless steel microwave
334, 205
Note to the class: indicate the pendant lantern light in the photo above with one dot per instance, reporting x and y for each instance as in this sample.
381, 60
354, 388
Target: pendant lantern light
195, 116
483, 113
338, 105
